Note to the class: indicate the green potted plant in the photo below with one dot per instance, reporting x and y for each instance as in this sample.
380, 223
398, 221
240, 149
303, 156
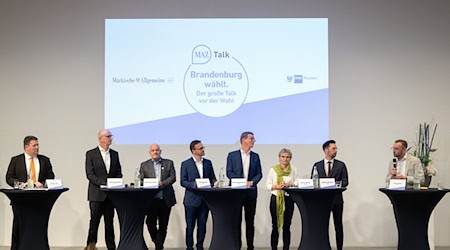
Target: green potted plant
423, 149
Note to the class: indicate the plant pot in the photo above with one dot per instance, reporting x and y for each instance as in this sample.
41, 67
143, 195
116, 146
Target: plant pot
427, 181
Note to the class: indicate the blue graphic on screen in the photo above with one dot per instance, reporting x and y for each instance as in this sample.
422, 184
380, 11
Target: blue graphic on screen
298, 79
171, 81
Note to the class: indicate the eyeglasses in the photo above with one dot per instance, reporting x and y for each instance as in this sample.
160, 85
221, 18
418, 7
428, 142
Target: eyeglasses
109, 136
200, 148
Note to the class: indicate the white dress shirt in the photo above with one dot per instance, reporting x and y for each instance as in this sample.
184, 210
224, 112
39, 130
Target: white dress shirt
106, 158
245, 163
401, 166
199, 165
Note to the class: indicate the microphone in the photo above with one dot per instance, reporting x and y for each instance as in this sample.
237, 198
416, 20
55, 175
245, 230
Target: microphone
394, 162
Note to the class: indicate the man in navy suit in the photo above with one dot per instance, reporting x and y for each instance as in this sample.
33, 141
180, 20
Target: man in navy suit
330, 167
195, 208
101, 163
159, 212
244, 163
27, 165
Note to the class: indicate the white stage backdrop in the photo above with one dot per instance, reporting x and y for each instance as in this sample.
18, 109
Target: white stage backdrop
388, 70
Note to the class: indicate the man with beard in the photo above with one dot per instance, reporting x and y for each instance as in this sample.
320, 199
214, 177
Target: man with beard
406, 166
330, 167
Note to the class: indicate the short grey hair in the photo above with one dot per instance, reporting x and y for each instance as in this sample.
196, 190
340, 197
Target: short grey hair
285, 150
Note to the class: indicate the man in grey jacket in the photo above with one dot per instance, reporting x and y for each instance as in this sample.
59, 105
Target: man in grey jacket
159, 212
404, 165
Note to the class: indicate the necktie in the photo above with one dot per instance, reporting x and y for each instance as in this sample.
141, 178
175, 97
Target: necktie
33, 170
329, 169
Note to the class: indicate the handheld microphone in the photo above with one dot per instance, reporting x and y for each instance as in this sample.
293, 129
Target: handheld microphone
394, 163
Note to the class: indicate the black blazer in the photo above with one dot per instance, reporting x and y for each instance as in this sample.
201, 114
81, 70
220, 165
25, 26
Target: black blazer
338, 172
236, 170
167, 178
17, 169
96, 172
189, 173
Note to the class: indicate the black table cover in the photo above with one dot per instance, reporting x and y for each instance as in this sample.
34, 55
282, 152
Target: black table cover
315, 208
225, 205
33, 209
132, 205
412, 210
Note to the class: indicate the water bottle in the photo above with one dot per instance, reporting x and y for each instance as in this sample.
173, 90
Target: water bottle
221, 178
315, 178
137, 178
30, 182
416, 182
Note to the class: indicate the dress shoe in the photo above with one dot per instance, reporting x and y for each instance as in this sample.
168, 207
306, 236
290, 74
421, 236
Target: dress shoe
90, 246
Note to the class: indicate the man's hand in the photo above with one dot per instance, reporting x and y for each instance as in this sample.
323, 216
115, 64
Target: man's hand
394, 171
38, 184
400, 176
216, 184
249, 183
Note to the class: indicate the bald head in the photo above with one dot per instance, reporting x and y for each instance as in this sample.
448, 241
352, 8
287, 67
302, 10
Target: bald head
155, 152
104, 132
105, 138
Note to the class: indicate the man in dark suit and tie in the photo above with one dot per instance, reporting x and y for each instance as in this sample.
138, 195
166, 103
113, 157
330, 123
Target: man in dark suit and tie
246, 164
159, 212
101, 163
195, 208
30, 164
330, 167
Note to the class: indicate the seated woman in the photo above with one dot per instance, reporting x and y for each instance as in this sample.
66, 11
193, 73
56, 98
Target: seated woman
281, 205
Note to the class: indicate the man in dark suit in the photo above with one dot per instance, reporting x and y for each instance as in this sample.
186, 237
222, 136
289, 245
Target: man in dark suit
195, 208
101, 163
159, 212
330, 167
24, 166
246, 164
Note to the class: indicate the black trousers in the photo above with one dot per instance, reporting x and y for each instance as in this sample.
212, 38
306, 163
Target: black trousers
98, 209
288, 212
338, 210
197, 215
15, 230
249, 210
158, 214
